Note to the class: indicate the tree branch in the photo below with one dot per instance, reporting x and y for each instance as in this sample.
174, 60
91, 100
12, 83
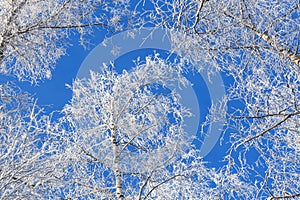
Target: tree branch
161, 183
265, 131
294, 57
286, 197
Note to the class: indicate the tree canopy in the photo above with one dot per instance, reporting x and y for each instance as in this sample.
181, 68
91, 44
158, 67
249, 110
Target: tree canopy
121, 136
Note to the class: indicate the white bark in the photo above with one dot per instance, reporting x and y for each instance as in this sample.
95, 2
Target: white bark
116, 157
116, 167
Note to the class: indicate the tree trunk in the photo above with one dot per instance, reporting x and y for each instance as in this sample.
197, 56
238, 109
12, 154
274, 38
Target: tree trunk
295, 58
118, 175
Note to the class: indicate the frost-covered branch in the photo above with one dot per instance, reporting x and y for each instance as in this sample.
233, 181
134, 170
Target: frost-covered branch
27, 148
34, 34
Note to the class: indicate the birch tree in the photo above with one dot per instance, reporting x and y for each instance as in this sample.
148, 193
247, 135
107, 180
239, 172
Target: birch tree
122, 133
256, 43
33, 36
125, 140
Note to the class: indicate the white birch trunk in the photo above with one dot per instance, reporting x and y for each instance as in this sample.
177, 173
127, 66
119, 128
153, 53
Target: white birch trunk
116, 160
292, 56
